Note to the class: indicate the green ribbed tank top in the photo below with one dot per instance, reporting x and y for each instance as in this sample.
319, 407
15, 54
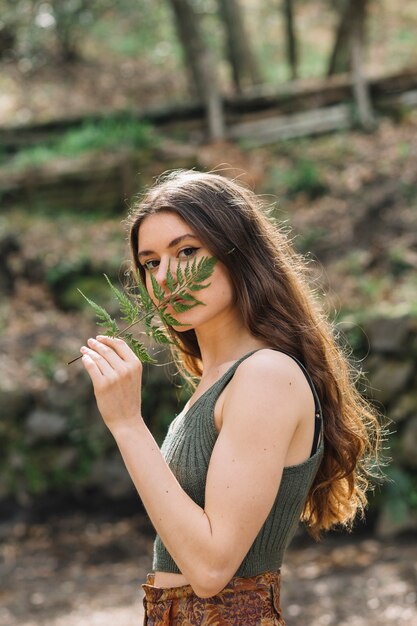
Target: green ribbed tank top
187, 449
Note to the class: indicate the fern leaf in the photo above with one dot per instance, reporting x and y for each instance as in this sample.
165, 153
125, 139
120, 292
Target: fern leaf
189, 271
147, 305
197, 287
169, 320
180, 307
190, 298
146, 300
204, 269
104, 319
138, 349
170, 281
180, 277
127, 308
157, 289
159, 335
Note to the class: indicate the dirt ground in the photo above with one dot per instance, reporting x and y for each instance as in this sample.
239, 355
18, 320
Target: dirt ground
82, 569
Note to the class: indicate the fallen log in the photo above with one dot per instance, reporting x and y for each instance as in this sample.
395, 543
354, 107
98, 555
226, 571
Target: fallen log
284, 127
291, 97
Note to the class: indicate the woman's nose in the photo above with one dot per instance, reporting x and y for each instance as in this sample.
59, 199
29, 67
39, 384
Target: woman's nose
161, 272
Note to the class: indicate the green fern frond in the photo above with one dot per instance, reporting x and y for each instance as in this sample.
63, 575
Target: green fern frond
190, 297
170, 280
104, 319
168, 319
145, 301
189, 271
180, 277
189, 279
204, 269
128, 310
180, 307
197, 287
159, 335
157, 289
138, 349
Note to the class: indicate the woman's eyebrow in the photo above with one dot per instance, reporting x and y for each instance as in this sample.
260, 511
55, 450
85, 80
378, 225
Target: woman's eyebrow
173, 243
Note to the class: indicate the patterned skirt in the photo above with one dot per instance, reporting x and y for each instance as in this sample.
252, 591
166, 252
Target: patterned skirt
250, 601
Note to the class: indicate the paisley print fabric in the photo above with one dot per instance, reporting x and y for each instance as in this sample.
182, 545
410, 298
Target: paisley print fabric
250, 601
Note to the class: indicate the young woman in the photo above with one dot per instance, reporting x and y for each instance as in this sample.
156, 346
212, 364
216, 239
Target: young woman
275, 430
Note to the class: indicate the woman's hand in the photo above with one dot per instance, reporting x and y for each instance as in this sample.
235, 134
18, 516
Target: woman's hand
116, 374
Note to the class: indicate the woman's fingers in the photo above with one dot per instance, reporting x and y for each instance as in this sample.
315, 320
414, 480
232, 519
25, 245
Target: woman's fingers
116, 381
112, 356
107, 352
101, 363
118, 345
91, 367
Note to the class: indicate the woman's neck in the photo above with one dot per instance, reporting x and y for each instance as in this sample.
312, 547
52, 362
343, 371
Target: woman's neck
225, 342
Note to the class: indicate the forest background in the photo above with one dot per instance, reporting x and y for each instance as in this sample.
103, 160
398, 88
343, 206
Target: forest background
310, 102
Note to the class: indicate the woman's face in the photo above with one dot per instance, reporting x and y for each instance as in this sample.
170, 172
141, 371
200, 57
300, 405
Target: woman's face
166, 238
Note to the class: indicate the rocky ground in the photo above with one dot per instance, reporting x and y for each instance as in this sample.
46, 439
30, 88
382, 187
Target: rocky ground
83, 569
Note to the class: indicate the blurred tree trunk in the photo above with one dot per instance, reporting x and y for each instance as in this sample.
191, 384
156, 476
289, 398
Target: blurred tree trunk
290, 38
357, 46
199, 64
340, 56
348, 55
244, 67
67, 27
71, 19
8, 40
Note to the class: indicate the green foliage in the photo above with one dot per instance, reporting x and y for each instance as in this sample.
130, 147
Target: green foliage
305, 177
302, 177
59, 272
400, 493
305, 241
109, 133
399, 262
44, 361
143, 309
35, 478
139, 29
104, 319
66, 292
127, 308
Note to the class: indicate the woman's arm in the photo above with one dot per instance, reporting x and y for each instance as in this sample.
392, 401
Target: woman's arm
260, 415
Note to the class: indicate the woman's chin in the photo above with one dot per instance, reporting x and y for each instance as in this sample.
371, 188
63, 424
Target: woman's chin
182, 329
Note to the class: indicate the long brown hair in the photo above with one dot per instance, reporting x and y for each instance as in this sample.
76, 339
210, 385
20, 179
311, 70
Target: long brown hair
279, 306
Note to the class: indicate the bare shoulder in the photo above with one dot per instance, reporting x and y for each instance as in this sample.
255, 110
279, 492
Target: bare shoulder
270, 365
268, 375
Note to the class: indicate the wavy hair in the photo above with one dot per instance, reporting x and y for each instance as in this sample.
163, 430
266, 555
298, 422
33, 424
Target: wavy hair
272, 289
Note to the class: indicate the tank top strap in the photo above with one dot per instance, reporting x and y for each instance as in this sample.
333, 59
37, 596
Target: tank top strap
318, 413
317, 405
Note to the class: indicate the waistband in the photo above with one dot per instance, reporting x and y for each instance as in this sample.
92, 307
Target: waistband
237, 583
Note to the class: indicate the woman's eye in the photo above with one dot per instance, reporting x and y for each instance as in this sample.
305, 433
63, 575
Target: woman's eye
148, 264
188, 251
